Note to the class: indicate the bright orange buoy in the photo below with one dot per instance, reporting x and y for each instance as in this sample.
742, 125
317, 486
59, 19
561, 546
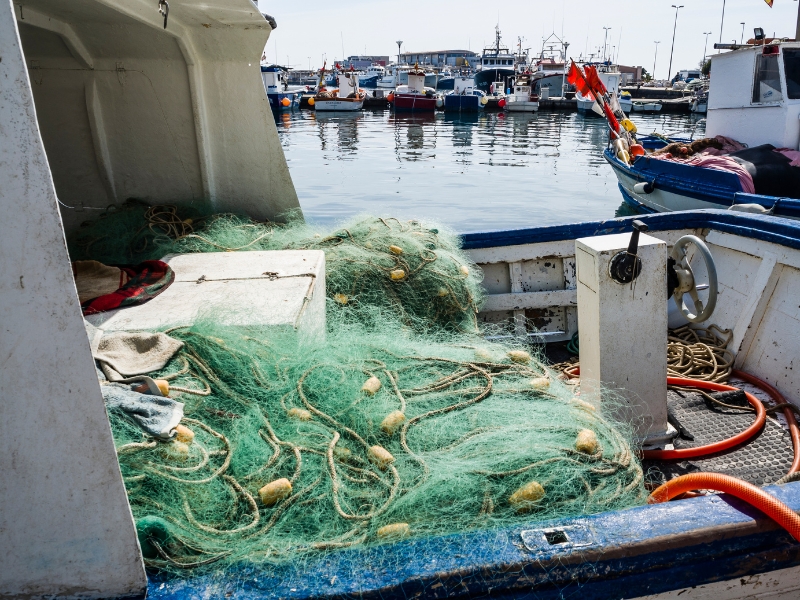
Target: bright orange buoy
637, 150
286, 102
311, 102
390, 97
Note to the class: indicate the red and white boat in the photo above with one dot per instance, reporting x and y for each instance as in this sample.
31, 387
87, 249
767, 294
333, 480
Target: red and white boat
414, 95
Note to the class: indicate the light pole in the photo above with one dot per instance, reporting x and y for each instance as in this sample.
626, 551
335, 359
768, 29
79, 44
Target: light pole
674, 29
399, 43
741, 40
705, 47
655, 58
309, 64
605, 42
721, 23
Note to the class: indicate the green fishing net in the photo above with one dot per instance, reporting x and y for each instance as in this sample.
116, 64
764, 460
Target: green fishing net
401, 422
374, 434
414, 269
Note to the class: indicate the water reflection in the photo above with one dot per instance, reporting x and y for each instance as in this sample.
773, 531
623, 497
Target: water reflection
472, 172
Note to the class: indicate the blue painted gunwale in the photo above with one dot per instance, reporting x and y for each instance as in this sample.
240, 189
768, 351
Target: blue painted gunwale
767, 228
707, 185
644, 550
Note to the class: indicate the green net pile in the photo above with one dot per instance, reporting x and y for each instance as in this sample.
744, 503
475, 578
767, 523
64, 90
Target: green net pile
401, 422
292, 455
415, 270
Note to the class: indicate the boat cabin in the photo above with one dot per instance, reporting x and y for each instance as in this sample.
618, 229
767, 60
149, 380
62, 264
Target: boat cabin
463, 85
273, 77
416, 81
348, 84
754, 95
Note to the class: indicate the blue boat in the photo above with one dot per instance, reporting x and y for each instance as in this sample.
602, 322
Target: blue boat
752, 123
465, 97
281, 96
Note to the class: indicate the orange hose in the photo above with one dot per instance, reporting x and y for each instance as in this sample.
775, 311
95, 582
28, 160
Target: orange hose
778, 398
755, 496
739, 438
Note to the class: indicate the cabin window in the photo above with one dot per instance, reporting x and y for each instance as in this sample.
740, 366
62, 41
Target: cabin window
791, 66
767, 79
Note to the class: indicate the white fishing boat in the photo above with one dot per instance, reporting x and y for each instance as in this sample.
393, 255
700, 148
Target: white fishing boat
752, 135
646, 106
347, 97
67, 529
612, 80
522, 97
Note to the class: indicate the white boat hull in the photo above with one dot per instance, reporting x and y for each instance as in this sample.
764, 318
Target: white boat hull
522, 106
342, 105
649, 107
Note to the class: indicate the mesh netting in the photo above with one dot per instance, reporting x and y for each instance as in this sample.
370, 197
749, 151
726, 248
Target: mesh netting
370, 436
401, 422
414, 269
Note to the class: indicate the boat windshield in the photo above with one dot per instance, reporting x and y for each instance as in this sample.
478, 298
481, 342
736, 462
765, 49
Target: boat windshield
767, 79
791, 66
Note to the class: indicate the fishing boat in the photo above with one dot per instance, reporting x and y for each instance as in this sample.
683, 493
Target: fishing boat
372, 75
498, 63
747, 157
611, 78
613, 286
549, 69
465, 97
414, 95
522, 97
347, 97
281, 96
646, 106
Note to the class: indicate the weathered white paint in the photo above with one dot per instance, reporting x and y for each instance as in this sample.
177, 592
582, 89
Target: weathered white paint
178, 116
515, 276
623, 330
731, 111
283, 288
65, 526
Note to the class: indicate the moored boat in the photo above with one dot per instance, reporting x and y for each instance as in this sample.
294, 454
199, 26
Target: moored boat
522, 97
347, 97
281, 96
748, 156
414, 95
734, 535
465, 97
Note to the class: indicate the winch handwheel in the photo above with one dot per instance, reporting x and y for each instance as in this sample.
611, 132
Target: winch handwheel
687, 283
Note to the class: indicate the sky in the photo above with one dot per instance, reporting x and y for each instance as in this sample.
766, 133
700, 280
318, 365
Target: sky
310, 29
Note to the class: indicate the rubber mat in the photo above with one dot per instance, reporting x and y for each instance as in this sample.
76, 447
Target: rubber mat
763, 460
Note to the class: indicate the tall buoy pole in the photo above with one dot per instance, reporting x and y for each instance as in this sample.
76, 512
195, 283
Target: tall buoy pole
722, 21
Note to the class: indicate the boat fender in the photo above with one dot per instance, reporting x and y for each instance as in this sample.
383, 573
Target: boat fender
644, 187
439, 102
751, 208
311, 102
484, 100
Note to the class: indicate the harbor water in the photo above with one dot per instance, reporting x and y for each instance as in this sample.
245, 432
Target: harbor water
472, 173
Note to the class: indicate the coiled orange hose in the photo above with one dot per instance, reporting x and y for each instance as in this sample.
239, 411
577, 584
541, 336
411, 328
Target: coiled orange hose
755, 496
739, 438
778, 398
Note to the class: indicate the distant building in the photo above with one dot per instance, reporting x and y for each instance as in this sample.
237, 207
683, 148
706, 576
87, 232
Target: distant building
440, 58
630, 74
362, 62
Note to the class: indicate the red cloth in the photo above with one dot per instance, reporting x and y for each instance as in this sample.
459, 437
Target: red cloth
146, 280
792, 155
